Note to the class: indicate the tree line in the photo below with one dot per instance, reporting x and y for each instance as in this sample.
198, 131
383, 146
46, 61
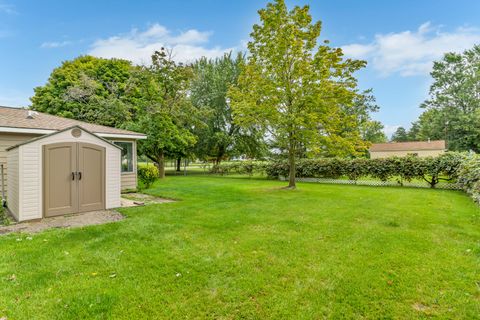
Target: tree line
288, 96
452, 111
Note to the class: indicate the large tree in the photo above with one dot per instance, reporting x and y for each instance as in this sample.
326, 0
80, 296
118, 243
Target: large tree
295, 89
90, 89
167, 116
219, 137
453, 109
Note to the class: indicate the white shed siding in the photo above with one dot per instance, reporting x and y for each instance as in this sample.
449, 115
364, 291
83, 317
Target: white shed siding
12, 177
7, 140
31, 171
113, 184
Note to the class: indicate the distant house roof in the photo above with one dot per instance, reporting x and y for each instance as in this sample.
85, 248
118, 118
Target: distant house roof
409, 146
27, 121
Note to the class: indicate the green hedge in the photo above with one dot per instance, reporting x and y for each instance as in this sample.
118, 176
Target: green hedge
461, 168
240, 167
429, 169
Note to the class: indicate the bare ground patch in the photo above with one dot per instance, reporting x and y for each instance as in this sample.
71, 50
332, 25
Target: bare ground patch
138, 199
67, 221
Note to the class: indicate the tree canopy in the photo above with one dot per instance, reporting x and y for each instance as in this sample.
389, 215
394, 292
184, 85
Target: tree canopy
400, 135
453, 108
220, 137
299, 92
90, 89
166, 115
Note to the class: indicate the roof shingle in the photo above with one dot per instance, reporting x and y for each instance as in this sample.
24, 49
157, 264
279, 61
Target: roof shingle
17, 118
409, 146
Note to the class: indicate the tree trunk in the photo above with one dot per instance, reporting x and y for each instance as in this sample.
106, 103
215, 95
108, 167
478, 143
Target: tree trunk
179, 164
161, 165
291, 176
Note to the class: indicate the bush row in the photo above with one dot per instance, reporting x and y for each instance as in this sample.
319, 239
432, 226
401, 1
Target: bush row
432, 169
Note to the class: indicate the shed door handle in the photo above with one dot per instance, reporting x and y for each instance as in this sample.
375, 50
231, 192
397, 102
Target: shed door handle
79, 175
73, 175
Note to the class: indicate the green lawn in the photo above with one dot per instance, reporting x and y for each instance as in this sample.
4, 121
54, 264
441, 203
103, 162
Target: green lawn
236, 248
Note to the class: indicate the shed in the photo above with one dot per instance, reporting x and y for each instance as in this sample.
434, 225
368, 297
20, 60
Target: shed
430, 148
69, 171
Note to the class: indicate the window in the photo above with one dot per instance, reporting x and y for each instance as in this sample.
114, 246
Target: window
127, 156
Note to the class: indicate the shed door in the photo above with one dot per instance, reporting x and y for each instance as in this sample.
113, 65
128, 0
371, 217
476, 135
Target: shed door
91, 177
74, 178
60, 187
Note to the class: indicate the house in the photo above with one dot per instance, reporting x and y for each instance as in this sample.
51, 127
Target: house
402, 149
56, 166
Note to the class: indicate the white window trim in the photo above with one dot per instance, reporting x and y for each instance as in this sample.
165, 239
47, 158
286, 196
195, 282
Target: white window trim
133, 156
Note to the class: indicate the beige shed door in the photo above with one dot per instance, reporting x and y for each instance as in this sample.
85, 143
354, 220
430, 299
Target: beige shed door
91, 177
74, 178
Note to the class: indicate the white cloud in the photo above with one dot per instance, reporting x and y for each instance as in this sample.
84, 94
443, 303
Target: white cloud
390, 129
411, 53
55, 44
138, 46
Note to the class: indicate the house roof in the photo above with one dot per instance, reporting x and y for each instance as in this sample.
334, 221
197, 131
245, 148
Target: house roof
18, 120
409, 146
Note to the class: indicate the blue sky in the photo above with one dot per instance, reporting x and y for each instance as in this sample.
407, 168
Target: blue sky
399, 39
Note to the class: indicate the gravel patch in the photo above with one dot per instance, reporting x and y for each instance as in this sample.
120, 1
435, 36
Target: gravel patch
136, 199
67, 221
82, 219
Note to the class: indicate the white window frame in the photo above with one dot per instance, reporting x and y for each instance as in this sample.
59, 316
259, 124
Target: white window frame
133, 156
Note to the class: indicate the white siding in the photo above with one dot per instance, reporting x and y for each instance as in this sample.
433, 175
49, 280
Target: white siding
12, 177
7, 140
31, 170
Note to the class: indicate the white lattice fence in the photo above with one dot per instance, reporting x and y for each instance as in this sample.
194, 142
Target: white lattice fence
377, 183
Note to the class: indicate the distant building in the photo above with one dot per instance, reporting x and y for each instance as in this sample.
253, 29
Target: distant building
402, 149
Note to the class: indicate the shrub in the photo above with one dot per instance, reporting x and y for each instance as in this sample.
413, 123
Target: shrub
432, 169
239, 167
468, 176
147, 173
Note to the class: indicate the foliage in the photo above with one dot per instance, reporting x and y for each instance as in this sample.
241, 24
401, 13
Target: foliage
90, 89
432, 169
453, 109
468, 176
240, 167
299, 92
219, 137
372, 131
167, 115
147, 174
400, 135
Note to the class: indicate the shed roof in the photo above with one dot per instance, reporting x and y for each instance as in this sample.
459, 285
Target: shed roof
18, 118
409, 146
60, 131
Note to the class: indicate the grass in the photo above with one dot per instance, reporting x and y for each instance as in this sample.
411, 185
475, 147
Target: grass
242, 248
